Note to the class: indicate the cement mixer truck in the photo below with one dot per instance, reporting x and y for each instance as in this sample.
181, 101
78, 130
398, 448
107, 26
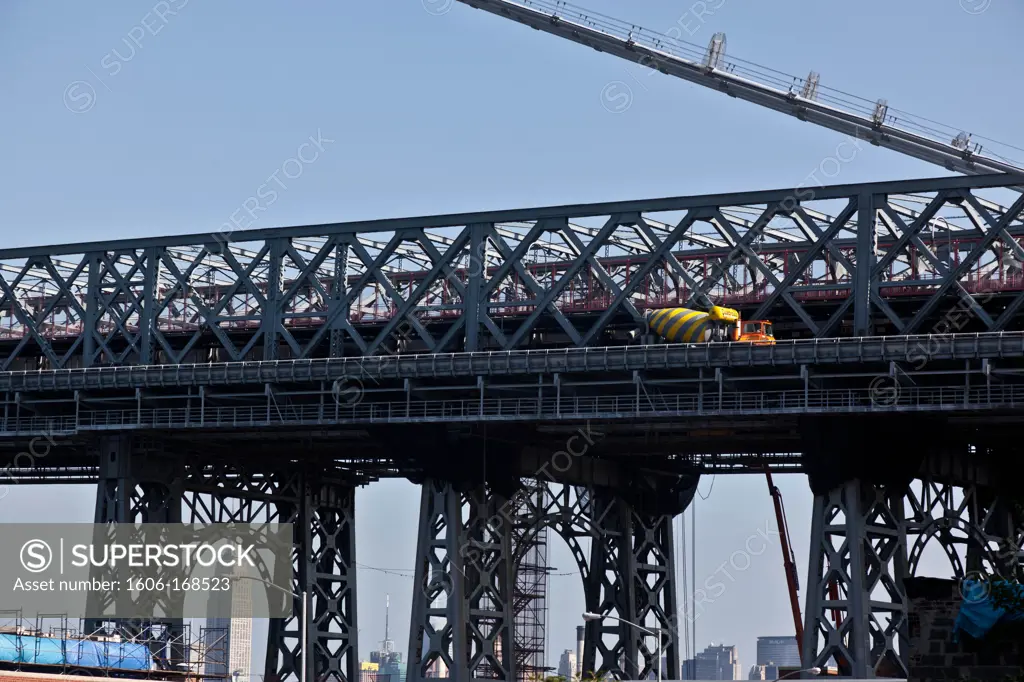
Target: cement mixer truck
683, 325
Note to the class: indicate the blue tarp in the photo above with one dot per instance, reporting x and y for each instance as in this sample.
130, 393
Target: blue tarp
82, 653
978, 614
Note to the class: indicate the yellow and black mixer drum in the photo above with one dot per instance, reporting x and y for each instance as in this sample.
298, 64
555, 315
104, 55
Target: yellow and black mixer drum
684, 325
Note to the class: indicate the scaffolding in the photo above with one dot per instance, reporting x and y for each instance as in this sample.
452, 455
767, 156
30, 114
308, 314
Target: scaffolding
531, 587
56, 644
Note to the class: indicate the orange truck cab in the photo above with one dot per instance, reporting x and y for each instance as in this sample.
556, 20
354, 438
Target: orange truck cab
758, 332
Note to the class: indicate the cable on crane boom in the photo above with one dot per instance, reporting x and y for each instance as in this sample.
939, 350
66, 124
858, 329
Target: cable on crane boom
805, 98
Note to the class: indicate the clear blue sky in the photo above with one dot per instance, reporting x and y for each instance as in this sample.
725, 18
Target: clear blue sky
445, 112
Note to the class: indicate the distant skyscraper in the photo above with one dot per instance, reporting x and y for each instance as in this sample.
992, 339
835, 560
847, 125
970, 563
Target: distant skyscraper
389, 661
764, 671
229, 640
689, 669
368, 671
567, 664
718, 663
780, 650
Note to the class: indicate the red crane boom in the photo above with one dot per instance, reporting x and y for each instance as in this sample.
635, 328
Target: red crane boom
788, 561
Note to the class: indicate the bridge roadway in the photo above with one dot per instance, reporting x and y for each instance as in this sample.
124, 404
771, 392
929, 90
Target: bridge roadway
717, 398
631, 407
721, 408
809, 352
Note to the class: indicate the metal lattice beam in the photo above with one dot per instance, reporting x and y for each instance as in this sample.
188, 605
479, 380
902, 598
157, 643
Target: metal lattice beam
463, 606
843, 260
866, 539
323, 556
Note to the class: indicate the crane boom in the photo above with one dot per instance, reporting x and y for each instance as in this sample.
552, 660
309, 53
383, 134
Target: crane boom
788, 561
804, 99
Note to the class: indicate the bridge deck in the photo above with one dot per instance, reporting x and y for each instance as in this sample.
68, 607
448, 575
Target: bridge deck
810, 352
573, 409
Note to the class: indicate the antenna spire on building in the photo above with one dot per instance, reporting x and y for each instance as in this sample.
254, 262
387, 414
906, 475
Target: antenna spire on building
387, 646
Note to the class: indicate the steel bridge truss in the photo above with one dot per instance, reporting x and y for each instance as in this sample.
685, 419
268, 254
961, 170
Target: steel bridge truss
866, 538
471, 546
885, 258
323, 557
824, 262
463, 609
137, 485
147, 483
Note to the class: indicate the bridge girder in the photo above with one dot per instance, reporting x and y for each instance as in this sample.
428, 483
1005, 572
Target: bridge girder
832, 261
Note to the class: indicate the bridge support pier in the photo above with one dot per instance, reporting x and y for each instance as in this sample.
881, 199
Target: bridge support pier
462, 608
856, 605
628, 573
139, 485
326, 574
632, 577
868, 537
136, 486
628, 570
324, 570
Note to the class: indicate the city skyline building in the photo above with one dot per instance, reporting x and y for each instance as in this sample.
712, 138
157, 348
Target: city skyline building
229, 640
390, 667
368, 671
718, 662
764, 671
782, 650
567, 665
